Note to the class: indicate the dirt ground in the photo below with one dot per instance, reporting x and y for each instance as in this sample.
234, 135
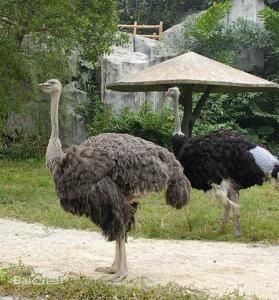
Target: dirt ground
216, 266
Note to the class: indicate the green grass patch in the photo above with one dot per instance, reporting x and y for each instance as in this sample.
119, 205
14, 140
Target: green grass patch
27, 193
20, 281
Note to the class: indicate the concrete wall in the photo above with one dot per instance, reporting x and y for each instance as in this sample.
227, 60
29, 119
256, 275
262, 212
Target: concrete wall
247, 9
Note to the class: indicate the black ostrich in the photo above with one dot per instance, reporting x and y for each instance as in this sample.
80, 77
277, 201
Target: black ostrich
103, 177
222, 163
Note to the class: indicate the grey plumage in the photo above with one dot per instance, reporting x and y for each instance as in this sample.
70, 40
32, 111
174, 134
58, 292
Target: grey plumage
104, 176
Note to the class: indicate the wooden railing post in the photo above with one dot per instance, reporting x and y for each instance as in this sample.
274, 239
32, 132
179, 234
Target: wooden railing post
160, 30
135, 27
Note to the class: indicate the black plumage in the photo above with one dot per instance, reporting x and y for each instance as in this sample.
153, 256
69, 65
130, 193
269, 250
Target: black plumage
217, 156
222, 163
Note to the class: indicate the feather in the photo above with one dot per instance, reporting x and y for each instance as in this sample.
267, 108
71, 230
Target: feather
96, 178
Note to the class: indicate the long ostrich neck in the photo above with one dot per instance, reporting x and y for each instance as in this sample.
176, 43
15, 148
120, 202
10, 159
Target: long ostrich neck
54, 149
54, 116
176, 115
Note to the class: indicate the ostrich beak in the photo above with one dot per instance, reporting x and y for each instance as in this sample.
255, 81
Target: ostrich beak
167, 94
43, 86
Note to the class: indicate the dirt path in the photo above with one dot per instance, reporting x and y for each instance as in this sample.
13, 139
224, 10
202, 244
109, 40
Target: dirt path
217, 266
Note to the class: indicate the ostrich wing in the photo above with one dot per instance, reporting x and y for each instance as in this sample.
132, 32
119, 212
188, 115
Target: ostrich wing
140, 166
80, 169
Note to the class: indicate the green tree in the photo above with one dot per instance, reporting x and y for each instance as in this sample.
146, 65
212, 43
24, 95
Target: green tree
88, 24
271, 21
36, 40
273, 4
152, 12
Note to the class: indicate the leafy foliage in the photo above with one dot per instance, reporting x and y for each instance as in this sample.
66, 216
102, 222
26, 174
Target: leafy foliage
271, 20
89, 25
155, 126
272, 3
206, 34
147, 124
37, 41
152, 12
209, 20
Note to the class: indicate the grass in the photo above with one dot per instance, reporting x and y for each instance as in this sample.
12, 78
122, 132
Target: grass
27, 193
21, 281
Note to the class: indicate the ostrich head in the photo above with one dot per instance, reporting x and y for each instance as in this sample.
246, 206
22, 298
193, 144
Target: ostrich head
52, 86
173, 92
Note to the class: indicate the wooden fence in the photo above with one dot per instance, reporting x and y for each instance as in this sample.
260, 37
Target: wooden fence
135, 26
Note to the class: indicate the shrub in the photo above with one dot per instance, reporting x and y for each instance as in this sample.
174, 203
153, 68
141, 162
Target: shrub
147, 124
154, 126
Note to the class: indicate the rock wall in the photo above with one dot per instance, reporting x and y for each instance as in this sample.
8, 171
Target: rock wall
28, 122
249, 10
137, 55
72, 129
34, 119
116, 65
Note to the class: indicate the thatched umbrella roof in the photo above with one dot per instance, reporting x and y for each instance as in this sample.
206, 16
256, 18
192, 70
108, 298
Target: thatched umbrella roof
194, 70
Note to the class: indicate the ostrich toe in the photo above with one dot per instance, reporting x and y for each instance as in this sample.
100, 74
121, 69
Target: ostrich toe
108, 270
119, 276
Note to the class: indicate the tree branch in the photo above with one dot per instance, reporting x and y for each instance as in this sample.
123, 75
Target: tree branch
6, 20
201, 103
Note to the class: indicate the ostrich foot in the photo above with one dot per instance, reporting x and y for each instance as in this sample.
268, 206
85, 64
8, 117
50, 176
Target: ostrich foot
119, 276
108, 270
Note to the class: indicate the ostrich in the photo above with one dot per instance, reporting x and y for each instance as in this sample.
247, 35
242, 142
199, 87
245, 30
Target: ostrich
222, 163
103, 177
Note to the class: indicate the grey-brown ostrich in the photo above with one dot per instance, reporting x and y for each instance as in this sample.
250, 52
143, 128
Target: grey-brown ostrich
222, 163
103, 177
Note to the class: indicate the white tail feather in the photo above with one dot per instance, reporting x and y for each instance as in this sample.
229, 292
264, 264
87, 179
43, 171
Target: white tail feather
220, 192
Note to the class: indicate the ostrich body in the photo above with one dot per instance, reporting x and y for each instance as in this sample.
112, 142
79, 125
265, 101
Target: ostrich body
103, 177
222, 163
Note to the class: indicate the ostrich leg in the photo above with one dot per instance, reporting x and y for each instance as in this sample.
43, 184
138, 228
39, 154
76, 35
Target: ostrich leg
122, 271
227, 208
224, 196
236, 223
116, 262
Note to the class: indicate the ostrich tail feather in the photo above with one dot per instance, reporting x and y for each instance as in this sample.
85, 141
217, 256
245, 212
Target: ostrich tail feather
178, 190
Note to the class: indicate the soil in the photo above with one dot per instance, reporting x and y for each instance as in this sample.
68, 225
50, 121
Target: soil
218, 267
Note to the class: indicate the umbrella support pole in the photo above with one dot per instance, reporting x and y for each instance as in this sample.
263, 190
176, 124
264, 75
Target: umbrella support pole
190, 115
